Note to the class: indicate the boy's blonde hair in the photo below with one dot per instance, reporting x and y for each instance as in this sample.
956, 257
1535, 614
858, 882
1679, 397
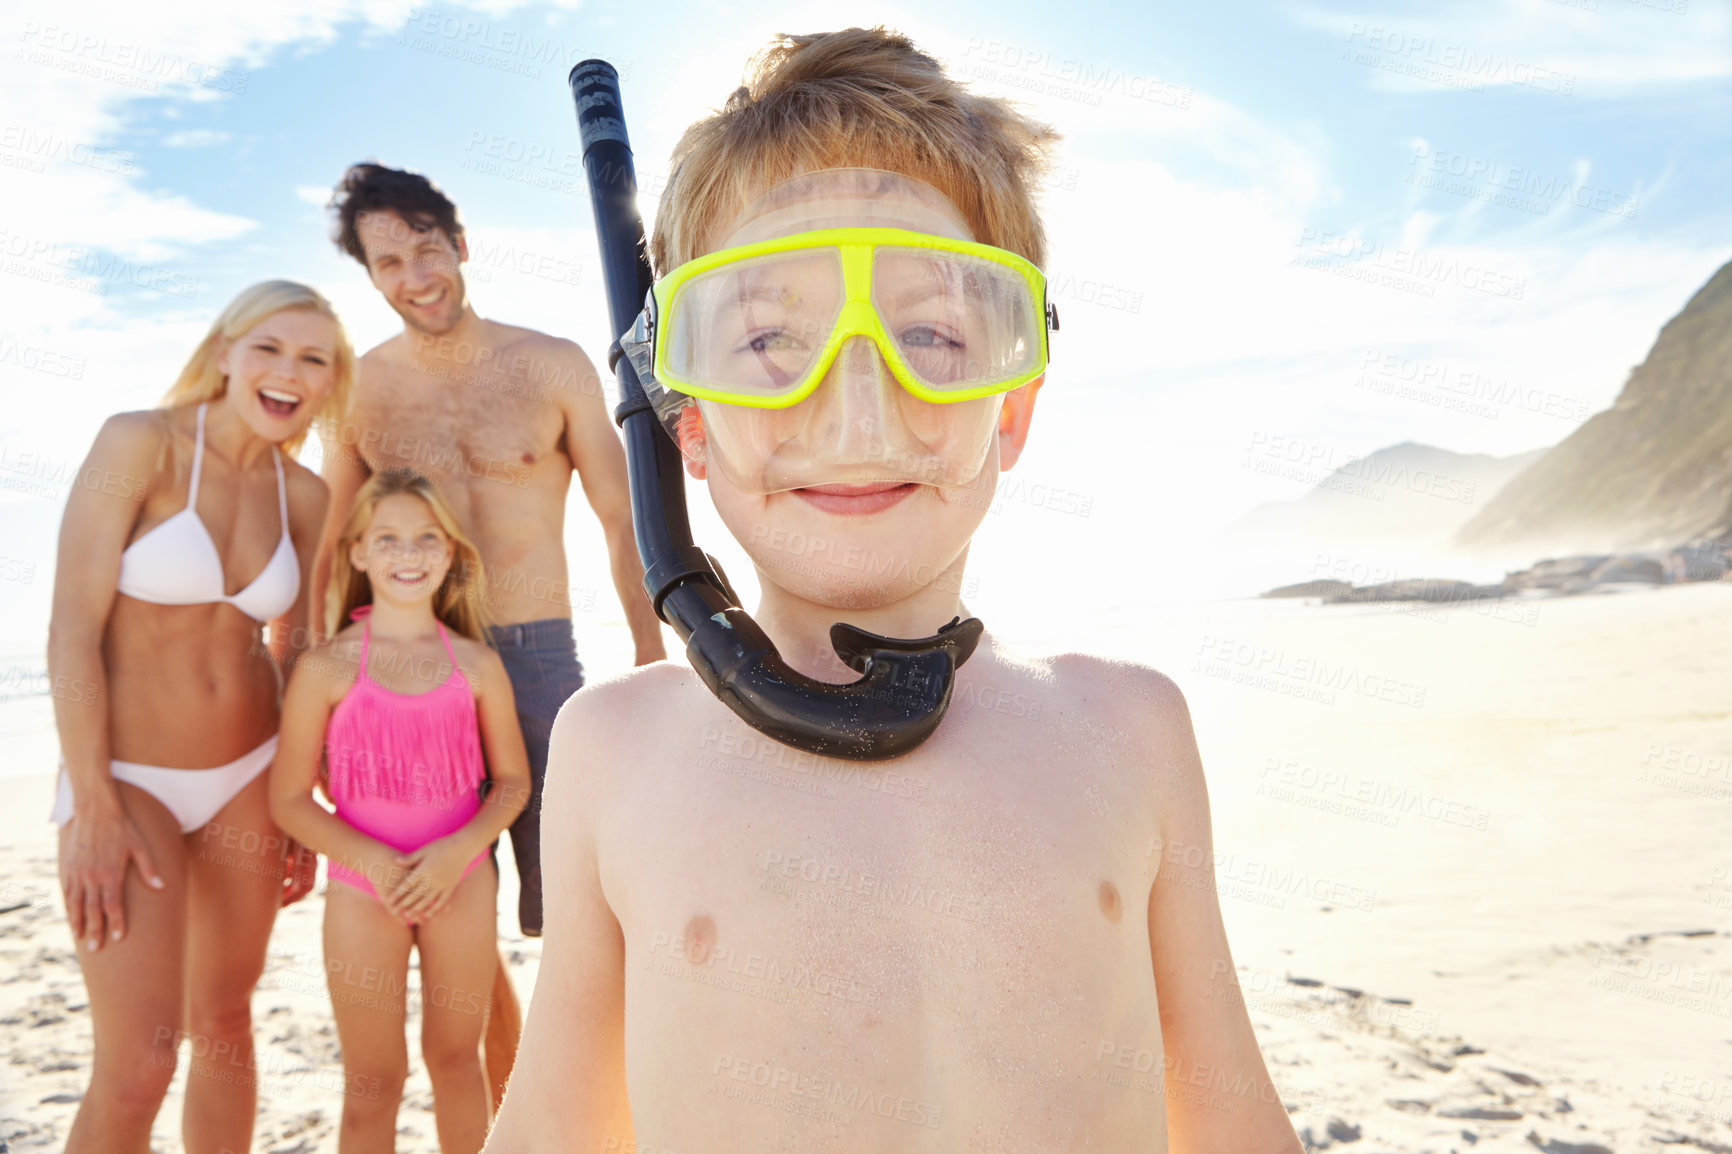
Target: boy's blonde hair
862, 98
458, 600
202, 379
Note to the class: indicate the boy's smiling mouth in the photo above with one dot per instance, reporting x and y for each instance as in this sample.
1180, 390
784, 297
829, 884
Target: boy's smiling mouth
870, 497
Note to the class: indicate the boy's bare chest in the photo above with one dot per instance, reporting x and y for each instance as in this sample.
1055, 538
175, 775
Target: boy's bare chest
889, 880
951, 939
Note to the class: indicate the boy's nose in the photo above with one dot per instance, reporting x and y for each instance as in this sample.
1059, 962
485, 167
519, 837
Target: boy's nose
857, 394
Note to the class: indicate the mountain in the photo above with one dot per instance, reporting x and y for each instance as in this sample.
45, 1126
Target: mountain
1652, 470
1408, 494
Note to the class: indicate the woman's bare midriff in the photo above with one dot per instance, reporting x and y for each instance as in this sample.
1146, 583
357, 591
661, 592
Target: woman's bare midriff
189, 686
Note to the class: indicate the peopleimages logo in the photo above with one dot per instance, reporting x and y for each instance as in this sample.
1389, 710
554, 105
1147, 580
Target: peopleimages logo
1452, 65
90, 54
1510, 186
1358, 258
24, 147
462, 36
1461, 388
1036, 70
41, 360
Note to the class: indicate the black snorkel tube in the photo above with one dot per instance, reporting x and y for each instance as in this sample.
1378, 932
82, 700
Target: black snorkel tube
906, 684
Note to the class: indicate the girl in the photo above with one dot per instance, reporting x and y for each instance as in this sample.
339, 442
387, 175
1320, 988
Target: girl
413, 721
162, 753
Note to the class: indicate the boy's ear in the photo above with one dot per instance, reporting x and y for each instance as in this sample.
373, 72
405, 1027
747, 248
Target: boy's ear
690, 430
1014, 419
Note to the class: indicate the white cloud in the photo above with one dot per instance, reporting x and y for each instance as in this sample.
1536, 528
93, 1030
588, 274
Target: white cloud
1611, 48
196, 138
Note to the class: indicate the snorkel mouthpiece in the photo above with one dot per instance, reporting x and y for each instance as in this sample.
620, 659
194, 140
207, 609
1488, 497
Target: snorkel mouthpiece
905, 685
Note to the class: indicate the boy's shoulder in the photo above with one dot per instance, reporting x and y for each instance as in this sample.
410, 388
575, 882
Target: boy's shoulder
1103, 688
1128, 714
1091, 688
636, 720
665, 701
610, 708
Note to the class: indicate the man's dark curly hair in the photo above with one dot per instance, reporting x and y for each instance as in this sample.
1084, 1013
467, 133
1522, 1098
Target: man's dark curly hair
369, 187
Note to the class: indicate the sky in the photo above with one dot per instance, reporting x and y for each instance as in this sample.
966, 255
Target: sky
1338, 226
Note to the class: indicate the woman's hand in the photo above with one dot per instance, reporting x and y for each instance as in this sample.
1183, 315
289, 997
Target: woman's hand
434, 871
99, 845
300, 871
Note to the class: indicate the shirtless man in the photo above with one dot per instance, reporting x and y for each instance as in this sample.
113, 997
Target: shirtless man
1008, 939
498, 417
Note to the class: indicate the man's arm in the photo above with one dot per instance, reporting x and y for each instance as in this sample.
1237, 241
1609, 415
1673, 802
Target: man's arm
1219, 1095
599, 457
344, 473
567, 1089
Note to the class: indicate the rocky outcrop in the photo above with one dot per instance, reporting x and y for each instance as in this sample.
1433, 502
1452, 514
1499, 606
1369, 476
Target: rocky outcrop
1312, 589
1405, 494
1430, 589
1653, 469
1700, 560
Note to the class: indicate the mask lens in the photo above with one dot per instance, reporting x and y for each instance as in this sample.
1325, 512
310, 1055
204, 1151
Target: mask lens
746, 338
755, 327
847, 432
957, 321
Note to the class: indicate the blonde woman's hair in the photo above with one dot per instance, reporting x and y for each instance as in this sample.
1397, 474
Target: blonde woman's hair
460, 599
862, 98
202, 380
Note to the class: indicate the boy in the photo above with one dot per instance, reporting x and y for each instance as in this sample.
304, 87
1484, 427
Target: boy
1007, 939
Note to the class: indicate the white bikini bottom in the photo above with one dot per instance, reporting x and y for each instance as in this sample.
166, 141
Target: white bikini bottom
193, 796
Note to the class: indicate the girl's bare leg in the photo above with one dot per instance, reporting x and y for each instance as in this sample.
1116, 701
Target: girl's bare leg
135, 994
367, 969
234, 887
459, 957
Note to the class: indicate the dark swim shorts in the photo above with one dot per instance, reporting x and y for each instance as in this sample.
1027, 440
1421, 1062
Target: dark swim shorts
541, 659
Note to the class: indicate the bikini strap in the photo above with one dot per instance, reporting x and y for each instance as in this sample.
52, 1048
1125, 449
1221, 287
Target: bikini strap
197, 461
282, 496
449, 652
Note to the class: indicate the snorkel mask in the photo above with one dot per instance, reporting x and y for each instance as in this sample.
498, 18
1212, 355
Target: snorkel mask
849, 330
863, 345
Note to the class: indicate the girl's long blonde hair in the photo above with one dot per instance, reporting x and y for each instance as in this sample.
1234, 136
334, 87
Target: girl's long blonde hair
202, 380
460, 599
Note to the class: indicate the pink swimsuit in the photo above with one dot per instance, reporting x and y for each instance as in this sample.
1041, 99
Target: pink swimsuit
405, 768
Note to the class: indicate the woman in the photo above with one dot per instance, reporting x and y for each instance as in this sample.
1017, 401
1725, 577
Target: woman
170, 865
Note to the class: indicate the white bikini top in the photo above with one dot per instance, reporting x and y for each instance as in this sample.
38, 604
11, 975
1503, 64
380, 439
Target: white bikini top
176, 563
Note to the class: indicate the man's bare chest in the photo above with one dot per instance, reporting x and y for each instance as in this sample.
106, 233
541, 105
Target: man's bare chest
451, 430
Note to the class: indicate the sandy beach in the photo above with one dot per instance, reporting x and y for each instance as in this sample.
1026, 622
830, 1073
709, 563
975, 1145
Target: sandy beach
1472, 860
